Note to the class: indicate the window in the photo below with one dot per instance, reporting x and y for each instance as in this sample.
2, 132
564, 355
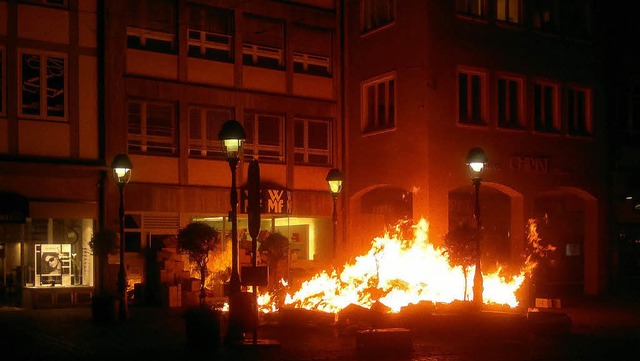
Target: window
544, 14
471, 98
3, 92
43, 84
151, 25
152, 127
210, 33
579, 19
510, 103
312, 141
263, 44
471, 7
52, 3
628, 109
508, 11
311, 50
379, 99
377, 13
578, 111
545, 107
265, 137
204, 126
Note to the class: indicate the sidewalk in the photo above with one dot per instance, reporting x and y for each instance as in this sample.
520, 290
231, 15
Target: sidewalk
601, 328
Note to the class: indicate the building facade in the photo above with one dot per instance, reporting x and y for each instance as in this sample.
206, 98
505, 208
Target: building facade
175, 72
426, 81
51, 166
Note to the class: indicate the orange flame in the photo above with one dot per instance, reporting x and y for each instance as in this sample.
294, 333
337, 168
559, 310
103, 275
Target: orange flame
398, 272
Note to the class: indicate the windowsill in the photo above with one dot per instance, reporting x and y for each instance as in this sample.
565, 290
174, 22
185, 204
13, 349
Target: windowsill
366, 33
369, 133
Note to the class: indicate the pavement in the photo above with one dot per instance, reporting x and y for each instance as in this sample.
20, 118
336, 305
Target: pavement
602, 328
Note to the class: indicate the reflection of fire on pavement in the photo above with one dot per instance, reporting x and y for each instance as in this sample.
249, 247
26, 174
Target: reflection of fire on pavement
398, 272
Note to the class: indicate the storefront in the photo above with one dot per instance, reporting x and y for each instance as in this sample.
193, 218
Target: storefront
47, 261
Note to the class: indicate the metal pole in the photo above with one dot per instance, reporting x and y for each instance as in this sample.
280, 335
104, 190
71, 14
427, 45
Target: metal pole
234, 333
335, 224
477, 278
122, 277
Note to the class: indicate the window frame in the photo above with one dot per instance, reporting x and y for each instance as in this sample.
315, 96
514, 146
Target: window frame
210, 40
483, 112
3, 81
537, 9
305, 60
587, 131
521, 123
507, 8
381, 23
557, 124
389, 122
305, 150
146, 138
252, 147
209, 148
47, 3
465, 8
43, 55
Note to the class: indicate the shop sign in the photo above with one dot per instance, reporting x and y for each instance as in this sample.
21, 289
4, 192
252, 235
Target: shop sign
272, 200
529, 164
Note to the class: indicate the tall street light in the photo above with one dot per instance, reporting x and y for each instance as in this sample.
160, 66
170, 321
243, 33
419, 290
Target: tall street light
121, 167
334, 178
476, 160
232, 136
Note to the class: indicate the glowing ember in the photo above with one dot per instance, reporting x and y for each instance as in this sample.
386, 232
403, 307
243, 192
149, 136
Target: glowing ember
398, 272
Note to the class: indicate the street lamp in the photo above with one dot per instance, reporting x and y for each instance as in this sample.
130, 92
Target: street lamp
476, 160
232, 136
334, 178
121, 167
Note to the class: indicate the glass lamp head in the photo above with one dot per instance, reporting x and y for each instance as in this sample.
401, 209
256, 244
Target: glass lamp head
121, 167
334, 178
232, 136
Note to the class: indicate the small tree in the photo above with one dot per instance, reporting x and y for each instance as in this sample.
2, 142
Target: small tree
275, 247
461, 249
103, 243
196, 240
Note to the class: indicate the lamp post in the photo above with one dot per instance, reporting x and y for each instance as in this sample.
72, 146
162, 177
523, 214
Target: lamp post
476, 160
334, 178
232, 136
121, 167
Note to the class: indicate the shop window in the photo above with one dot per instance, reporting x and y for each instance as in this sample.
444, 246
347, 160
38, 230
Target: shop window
204, 125
57, 252
510, 102
152, 127
43, 85
265, 137
378, 108
471, 98
210, 33
312, 141
377, 13
151, 25
545, 107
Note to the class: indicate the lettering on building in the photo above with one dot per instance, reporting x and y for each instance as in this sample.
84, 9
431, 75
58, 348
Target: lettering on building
529, 164
272, 200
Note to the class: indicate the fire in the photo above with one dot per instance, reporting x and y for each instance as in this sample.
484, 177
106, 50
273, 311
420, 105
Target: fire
397, 272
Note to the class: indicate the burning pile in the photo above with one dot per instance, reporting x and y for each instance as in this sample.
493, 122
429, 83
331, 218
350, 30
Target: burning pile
397, 272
